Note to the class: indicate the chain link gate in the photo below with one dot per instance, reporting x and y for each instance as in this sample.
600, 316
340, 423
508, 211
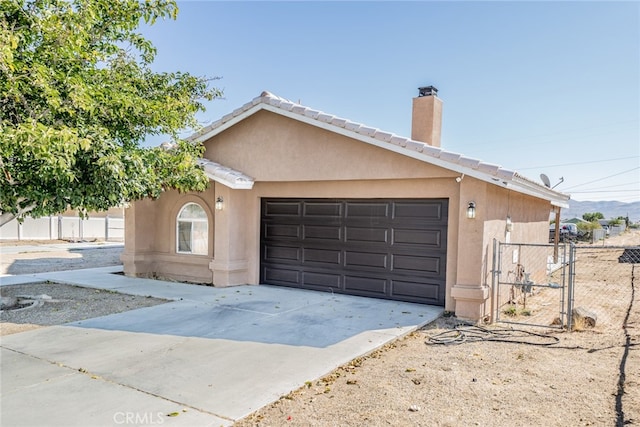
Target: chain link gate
530, 284
601, 283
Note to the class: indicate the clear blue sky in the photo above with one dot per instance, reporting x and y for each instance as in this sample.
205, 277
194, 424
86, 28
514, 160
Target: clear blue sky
539, 87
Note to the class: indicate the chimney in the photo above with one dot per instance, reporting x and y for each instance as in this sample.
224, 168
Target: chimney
426, 120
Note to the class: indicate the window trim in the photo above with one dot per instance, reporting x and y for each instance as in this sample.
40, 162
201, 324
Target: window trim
191, 221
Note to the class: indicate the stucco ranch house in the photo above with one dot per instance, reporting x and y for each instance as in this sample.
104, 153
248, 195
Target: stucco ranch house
304, 199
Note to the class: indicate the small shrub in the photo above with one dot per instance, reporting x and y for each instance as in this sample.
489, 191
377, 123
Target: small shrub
514, 311
510, 311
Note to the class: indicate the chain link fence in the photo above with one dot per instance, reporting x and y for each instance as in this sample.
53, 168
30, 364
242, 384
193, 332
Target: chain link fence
572, 287
602, 281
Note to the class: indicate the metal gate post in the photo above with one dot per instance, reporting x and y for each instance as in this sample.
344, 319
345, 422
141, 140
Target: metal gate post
494, 281
571, 285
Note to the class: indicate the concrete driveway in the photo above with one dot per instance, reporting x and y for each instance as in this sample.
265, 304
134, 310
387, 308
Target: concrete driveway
208, 357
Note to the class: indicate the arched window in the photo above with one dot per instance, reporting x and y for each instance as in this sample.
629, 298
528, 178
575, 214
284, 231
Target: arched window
192, 230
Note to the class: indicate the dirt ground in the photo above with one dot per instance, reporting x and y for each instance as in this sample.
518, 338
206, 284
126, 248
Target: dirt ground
66, 304
454, 374
451, 374
71, 303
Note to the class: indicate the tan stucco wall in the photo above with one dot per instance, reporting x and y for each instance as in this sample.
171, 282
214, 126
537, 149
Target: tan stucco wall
529, 219
270, 147
426, 120
150, 242
288, 158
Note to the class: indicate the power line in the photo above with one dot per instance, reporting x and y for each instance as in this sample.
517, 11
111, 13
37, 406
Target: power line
609, 187
560, 132
580, 163
604, 191
601, 179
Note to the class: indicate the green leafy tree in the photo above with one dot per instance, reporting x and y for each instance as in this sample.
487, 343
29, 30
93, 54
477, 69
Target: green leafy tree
585, 229
78, 98
592, 216
616, 221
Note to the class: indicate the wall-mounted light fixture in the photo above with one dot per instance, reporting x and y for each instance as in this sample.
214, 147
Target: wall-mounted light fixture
509, 224
471, 210
219, 203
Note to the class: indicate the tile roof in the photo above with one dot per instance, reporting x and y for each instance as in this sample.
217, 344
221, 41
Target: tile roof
476, 168
227, 176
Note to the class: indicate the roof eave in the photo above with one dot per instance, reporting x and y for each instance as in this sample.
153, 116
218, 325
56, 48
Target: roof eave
502, 177
226, 176
492, 174
554, 197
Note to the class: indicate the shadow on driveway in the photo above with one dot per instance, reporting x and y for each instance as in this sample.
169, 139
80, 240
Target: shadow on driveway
271, 315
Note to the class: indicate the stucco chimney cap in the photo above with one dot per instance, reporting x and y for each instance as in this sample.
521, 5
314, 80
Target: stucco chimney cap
427, 91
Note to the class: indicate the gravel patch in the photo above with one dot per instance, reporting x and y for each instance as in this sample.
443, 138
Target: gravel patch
67, 303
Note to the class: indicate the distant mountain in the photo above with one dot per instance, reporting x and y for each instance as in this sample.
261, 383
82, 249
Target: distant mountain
608, 209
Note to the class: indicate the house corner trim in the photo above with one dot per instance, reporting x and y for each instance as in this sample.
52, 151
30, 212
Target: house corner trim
470, 301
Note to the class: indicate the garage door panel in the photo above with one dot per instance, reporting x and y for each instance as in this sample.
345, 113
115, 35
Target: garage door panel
416, 290
290, 231
365, 285
422, 211
412, 264
322, 209
366, 235
282, 253
281, 276
322, 280
430, 238
386, 248
365, 259
322, 232
323, 256
366, 210
281, 208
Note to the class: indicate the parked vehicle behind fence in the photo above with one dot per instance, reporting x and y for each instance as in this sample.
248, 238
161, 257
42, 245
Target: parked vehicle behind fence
568, 231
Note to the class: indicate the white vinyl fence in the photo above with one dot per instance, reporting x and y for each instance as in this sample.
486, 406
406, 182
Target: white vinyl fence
65, 228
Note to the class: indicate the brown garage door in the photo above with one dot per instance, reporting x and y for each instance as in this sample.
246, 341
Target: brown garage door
393, 249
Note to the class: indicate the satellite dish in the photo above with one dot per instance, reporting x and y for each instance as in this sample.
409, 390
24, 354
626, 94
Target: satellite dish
545, 180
